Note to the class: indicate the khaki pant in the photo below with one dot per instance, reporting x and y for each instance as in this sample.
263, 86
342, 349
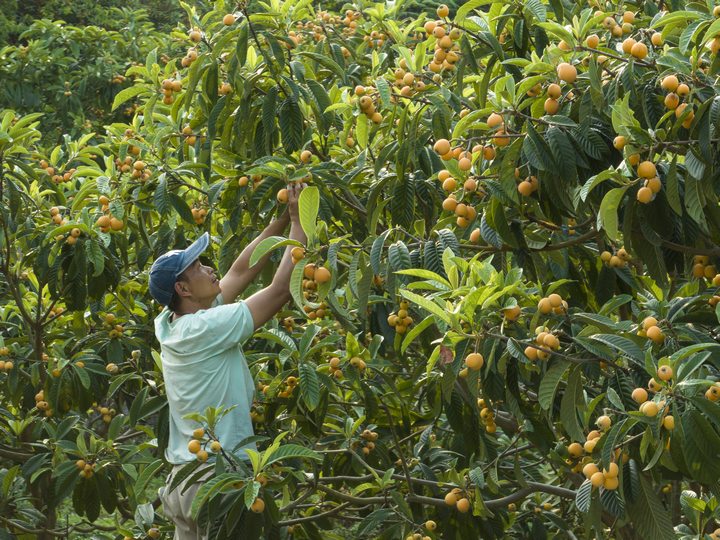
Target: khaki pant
177, 506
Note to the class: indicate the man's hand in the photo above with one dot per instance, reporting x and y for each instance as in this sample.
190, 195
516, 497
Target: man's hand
266, 303
294, 191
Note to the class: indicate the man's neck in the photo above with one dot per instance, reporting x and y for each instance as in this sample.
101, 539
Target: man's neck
188, 308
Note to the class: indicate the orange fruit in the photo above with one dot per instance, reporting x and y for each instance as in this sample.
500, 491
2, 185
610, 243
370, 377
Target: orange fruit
494, 120
567, 72
258, 506
554, 91
647, 169
463, 505
442, 146
229, 19
639, 50
474, 361
322, 275
669, 83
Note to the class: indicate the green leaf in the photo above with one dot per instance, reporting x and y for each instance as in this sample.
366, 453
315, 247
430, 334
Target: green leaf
607, 216
95, 256
570, 405
583, 496
465, 9
611, 440
647, 513
150, 471
551, 382
612, 502
127, 94
309, 385
384, 90
416, 331
268, 245
291, 121
427, 304
309, 205
293, 451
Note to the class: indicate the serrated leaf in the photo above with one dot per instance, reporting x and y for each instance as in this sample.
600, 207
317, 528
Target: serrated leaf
551, 382
583, 496
647, 513
268, 245
309, 385
308, 207
607, 217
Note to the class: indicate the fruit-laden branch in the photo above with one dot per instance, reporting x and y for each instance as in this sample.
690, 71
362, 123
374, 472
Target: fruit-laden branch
615, 56
532, 487
552, 247
315, 517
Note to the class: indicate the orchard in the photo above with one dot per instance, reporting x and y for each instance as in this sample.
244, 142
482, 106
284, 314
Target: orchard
505, 320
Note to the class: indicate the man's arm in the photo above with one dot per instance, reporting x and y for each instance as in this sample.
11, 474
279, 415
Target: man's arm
240, 275
265, 303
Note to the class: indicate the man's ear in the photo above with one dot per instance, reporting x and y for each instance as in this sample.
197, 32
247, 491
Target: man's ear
181, 288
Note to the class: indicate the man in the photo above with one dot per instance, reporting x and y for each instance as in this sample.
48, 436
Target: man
200, 334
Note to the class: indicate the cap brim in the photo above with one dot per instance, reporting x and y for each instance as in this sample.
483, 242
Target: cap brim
193, 251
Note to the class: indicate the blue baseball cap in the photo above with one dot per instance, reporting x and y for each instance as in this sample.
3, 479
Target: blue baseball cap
168, 267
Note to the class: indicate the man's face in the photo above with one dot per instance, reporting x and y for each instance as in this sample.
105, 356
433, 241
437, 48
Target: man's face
200, 281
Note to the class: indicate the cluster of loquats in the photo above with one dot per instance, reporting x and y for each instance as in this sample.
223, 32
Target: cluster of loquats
138, 169
649, 328
429, 525
169, 87
703, 269
57, 177
545, 343
553, 303
199, 442
465, 212
86, 469
552, 102
367, 103
496, 122
459, 499
487, 416
257, 413
606, 478
107, 413
651, 182
447, 48
406, 80
335, 367
118, 79
199, 213
287, 387
676, 91
652, 408
41, 404
401, 320
108, 222
195, 36
5, 365
367, 444
617, 260
528, 186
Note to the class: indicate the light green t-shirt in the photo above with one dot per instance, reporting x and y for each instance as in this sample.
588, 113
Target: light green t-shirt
204, 366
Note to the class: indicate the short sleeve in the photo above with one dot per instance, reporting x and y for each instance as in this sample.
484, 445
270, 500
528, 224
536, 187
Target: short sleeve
226, 325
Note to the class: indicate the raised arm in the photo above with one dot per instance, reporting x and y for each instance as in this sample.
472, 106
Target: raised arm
265, 303
240, 275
